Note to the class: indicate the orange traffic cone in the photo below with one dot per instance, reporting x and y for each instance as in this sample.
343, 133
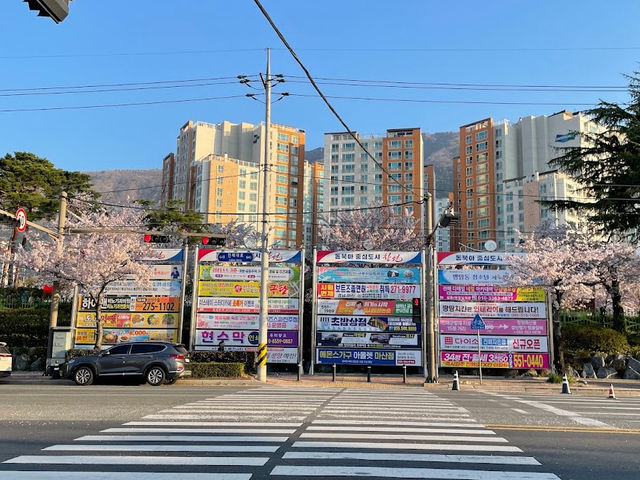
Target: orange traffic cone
612, 394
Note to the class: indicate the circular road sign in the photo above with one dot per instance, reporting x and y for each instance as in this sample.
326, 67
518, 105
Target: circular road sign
21, 216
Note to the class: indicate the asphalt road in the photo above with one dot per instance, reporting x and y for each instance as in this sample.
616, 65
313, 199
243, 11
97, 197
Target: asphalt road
239, 432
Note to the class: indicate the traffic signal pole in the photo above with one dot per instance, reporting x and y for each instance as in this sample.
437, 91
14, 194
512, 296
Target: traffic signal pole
430, 368
264, 268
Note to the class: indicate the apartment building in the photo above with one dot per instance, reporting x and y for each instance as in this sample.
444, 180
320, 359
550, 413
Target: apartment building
313, 202
216, 165
353, 179
503, 171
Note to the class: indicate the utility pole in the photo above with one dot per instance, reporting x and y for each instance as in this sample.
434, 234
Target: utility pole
264, 269
55, 295
431, 373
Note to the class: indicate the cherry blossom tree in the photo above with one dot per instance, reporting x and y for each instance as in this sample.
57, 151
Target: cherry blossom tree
92, 260
371, 229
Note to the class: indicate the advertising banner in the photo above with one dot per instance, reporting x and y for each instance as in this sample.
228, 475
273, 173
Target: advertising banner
166, 255
131, 303
246, 289
495, 326
246, 305
128, 320
365, 275
495, 310
491, 293
477, 258
325, 256
245, 322
276, 274
495, 360
473, 277
246, 338
113, 336
155, 287
368, 290
274, 354
368, 357
275, 256
367, 340
364, 307
493, 343
367, 324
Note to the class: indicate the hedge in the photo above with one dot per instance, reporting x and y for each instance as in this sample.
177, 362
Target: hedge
24, 327
216, 369
248, 359
593, 339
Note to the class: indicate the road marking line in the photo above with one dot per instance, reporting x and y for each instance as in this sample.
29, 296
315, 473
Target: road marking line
413, 457
407, 446
136, 460
215, 424
424, 473
161, 448
178, 438
372, 428
424, 438
203, 417
392, 422
523, 412
31, 475
567, 428
198, 430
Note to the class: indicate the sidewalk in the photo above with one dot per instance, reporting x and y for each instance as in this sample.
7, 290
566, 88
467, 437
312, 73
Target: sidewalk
528, 385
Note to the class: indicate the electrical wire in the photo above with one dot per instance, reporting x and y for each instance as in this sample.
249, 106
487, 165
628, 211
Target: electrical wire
317, 89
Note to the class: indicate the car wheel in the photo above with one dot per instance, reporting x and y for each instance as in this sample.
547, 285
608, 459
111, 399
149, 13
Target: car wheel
155, 376
83, 376
171, 381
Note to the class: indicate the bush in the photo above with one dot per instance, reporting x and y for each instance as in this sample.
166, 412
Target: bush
217, 369
78, 352
25, 327
558, 378
594, 339
248, 359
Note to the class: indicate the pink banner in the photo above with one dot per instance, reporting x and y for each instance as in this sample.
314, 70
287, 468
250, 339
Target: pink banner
523, 361
490, 293
495, 326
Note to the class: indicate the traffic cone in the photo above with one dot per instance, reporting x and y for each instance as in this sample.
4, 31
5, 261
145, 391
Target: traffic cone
565, 384
612, 394
456, 381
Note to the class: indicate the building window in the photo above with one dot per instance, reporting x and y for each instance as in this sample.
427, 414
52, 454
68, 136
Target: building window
283, 137
348, 157
482, 146
468, 149
408, 154
482, 157
283, 147
335, 147
498, 132
483, 212
482, 168
408, 177
469, 160
395, 165
469, 182
469, 171
408, 165
349, 146
335, 158
484, 223
481, 135
469, 202
482, 178
408, 144
394, 155
395, 144
470, 225
467, 139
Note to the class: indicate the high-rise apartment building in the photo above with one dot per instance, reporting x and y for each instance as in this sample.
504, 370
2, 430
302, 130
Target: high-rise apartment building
217, 166
353, 179
503, 171
313, 202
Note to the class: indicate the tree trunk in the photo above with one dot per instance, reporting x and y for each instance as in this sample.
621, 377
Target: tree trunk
558, 342
619, 322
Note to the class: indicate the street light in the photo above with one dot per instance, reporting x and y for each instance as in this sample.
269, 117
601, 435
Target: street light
447, 218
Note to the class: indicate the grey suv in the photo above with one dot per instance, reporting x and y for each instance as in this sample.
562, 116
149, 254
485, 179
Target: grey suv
158, 362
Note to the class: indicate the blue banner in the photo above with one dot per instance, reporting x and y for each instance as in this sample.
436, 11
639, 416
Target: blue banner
364, 275
350, 356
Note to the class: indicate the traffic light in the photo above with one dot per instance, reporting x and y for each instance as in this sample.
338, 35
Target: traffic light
57, 10
215, 240
156, 238
417, 311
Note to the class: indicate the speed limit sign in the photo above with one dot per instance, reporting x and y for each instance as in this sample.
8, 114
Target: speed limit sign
21, 216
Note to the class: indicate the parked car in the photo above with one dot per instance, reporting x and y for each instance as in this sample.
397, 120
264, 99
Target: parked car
158, 362
5, 360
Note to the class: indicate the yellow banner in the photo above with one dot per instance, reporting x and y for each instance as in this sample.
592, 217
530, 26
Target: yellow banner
530, 294
113, 336
246, 289
128, 320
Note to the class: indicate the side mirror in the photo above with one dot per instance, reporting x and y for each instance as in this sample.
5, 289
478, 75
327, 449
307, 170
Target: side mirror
105, 353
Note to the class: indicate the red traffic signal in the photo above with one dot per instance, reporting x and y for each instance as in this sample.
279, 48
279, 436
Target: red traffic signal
156, 238
218, 241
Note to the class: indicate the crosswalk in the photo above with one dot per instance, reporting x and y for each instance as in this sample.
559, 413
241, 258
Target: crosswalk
587, 411
290, 433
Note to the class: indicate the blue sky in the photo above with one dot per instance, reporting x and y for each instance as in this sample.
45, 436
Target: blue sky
142, 41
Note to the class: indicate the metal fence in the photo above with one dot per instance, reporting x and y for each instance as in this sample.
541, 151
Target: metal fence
587, 318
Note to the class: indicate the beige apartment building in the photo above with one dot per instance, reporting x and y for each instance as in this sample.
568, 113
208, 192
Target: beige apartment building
216, 171
503, 172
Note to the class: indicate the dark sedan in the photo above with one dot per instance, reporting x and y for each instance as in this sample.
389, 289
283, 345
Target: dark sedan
157, 362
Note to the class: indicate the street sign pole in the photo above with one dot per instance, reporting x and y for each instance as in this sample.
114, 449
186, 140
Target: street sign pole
478, 324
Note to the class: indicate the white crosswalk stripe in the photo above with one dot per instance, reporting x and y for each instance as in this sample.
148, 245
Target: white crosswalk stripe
365, 434
289, 433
